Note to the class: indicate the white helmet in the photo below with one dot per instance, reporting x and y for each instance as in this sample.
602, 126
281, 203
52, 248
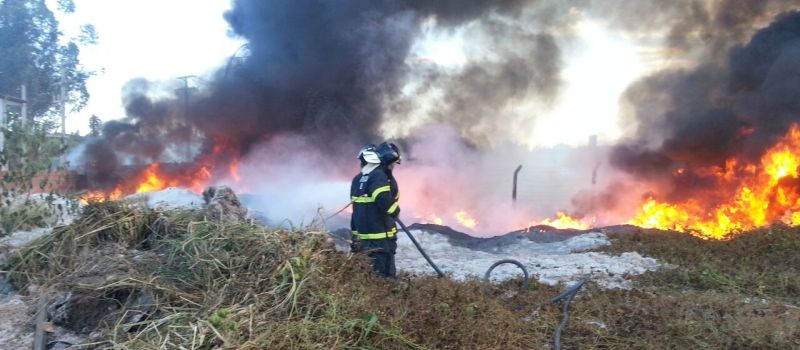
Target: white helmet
368, 154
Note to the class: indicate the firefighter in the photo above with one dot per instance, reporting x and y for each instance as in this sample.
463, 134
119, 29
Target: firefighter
375, 196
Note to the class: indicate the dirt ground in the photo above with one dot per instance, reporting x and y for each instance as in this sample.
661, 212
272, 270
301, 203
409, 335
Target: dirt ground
16, 326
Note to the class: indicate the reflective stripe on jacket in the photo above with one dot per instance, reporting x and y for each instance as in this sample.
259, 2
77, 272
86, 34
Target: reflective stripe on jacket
375, 199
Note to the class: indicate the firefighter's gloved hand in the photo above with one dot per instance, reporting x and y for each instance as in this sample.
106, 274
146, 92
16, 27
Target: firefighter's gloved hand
396, 213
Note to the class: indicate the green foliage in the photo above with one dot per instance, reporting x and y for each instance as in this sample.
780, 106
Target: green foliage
33, 55
24, 214
94, 125
28, 160
66, 6
88, 35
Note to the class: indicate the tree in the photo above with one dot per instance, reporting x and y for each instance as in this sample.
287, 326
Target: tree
94, 125
31, 53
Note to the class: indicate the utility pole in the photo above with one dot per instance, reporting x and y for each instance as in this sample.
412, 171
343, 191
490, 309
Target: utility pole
185, 90
2, 129
61, 99
63, 109
5, 101
23, 92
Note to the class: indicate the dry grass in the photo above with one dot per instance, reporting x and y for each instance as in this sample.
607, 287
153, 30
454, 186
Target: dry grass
242, 286
763, 263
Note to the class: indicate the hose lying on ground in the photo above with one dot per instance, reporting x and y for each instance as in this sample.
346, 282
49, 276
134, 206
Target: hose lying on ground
526, 277
565, 297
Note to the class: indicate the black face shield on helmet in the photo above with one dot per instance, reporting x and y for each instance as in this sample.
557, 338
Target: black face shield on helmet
388, 153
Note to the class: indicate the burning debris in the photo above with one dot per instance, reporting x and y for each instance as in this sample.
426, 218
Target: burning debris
713, 152
724, 151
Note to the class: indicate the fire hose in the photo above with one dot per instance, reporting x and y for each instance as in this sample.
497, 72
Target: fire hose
565, 297
414, 240
419, 247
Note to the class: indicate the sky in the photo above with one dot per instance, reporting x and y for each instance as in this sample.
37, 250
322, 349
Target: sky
153, 39
163, 40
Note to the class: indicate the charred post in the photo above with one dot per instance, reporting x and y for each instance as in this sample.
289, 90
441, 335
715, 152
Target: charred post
514, 186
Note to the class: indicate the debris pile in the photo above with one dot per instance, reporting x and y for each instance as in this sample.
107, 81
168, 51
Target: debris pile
129, 276
221, 203
124, 275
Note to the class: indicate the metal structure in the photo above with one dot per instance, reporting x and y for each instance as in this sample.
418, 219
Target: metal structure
184, 92
11, 101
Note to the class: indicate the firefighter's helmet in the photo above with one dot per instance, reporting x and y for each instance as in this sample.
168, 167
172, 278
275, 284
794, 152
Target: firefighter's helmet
368, 154
388, 153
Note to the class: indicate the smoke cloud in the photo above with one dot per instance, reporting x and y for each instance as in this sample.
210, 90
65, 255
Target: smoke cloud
736, 103
321, 78
327, 71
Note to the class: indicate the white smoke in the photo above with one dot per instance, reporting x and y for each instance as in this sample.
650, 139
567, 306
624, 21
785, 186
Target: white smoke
291, 183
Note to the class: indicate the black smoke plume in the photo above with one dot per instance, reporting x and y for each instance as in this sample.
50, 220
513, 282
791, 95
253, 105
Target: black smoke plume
321, 69
734, 104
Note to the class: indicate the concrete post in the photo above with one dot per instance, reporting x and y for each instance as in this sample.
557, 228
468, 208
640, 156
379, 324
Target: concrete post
2, 126
24, 106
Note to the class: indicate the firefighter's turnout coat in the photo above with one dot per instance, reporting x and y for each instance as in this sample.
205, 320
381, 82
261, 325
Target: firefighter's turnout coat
374, 198
375, 201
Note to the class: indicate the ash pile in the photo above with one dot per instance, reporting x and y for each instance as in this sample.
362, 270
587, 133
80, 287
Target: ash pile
552, 256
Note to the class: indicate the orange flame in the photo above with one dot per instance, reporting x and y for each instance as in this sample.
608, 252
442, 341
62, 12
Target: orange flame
435, 219
466, 219
564, 221
100, 196
794, 219
152, 181
152, 178
200, 180
759, 195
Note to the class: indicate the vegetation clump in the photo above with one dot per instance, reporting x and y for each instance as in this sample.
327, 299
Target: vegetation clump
176, 279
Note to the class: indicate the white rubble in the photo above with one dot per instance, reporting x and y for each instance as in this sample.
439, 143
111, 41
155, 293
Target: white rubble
170, 197
550, 263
